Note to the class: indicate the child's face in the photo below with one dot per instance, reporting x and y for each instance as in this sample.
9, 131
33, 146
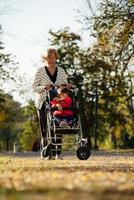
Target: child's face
63, 95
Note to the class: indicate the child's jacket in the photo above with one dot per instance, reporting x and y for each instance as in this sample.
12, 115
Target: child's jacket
66, 104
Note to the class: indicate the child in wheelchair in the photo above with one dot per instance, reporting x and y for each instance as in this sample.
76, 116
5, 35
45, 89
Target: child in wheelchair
62, 108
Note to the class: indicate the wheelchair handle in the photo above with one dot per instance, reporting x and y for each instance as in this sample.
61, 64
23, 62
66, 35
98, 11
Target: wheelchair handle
56, 86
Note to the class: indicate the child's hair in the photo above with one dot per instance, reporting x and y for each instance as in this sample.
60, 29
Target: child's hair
63, 90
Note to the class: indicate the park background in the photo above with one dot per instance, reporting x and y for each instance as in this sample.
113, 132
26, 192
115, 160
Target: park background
95, 41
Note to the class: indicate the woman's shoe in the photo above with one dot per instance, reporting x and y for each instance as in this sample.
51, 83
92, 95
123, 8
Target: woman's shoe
58, 157
49, 158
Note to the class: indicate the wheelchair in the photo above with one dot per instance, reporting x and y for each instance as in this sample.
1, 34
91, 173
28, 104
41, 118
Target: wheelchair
55, 133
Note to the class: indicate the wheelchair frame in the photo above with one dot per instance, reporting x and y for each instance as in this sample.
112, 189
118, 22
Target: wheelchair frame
83, 150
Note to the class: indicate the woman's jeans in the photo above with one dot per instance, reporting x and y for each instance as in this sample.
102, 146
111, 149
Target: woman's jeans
42, 115
42, 120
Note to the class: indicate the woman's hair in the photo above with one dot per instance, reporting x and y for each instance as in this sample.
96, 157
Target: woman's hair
48, 52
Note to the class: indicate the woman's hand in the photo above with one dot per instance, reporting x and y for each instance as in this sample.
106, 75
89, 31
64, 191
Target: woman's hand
47, 86
58, 85
69, 85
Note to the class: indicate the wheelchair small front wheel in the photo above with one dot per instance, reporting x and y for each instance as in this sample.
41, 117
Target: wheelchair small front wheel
46, 151
83, 152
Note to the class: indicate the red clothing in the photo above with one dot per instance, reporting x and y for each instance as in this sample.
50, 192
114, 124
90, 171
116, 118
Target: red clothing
65, 104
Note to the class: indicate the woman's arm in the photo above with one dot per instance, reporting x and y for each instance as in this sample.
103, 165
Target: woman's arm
61, 77
37, 88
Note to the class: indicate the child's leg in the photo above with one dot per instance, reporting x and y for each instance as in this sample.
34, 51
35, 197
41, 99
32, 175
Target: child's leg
64, 119
64, 122
69, 119
57, 119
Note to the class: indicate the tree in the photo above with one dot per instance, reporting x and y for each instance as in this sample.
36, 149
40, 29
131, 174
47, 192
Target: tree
9, 119
113, 27
30, 128
73, 60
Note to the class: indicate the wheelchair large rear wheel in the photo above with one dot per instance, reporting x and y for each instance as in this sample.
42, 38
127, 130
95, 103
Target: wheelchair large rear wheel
83, 152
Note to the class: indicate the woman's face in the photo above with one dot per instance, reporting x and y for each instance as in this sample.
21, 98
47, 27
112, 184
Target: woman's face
51, 59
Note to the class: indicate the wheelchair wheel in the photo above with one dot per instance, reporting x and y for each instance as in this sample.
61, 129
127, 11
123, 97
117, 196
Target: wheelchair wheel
83, 152
47, 151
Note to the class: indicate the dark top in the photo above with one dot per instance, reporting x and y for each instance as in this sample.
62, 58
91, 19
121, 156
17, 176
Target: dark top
52, 77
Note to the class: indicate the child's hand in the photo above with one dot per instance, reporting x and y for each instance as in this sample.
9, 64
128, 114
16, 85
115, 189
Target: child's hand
59, 106
56, 98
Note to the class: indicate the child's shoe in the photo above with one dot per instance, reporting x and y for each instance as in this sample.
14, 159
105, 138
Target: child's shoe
64, 124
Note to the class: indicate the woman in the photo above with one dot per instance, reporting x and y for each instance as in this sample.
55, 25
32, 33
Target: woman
45, 77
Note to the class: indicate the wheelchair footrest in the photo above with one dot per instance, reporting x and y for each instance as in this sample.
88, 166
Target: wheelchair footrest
69, 131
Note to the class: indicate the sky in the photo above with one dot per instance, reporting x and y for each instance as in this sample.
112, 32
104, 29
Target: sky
25, 26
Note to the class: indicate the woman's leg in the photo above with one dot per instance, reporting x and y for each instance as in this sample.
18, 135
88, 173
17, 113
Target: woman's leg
43, 123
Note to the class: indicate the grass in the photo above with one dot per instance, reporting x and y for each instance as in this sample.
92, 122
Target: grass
105, 175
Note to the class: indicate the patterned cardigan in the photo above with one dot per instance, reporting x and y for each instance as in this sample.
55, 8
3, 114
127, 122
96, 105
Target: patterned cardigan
41, 79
